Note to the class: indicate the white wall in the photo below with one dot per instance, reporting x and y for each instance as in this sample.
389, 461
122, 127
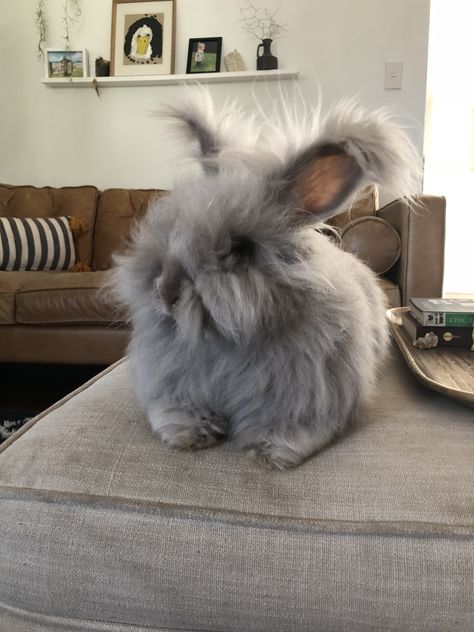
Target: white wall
449, 146
69, 136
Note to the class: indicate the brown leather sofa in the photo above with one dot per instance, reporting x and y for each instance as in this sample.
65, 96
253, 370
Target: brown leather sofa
63, 317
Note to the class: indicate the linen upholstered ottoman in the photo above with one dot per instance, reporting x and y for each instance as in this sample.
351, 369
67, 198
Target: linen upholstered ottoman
102, 527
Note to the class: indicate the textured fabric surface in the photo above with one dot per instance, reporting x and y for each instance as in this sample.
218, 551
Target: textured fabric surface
14, 620
188, 570
36, 243
29, 201
375, 533
98, 443
54, 297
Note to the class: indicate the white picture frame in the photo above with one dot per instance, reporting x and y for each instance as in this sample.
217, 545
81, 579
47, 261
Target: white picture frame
66, 64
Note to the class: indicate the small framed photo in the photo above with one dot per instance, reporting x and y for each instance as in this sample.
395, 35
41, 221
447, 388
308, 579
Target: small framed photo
143, 35
66, 64
204, 55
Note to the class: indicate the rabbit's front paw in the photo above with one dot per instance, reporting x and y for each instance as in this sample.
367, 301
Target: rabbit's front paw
189, 431
275, 457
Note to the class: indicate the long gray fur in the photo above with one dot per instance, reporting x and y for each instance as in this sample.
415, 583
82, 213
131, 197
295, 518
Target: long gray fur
246, 321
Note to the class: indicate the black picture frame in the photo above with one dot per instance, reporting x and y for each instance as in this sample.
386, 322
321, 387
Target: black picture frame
211, 48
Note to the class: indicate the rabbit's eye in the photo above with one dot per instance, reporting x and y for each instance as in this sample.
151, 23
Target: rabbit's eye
242, 247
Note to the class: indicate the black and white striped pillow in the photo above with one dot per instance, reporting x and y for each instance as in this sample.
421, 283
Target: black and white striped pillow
36, 244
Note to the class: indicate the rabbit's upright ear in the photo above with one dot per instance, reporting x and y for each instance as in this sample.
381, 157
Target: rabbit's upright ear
354, 149
196, 119
321, 179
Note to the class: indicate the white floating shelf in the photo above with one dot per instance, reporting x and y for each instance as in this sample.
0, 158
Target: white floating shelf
163, 80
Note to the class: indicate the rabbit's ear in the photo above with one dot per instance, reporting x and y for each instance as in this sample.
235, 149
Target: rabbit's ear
196, 119
354, 148
321, 179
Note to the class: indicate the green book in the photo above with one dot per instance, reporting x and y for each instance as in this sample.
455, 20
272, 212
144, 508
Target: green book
443, 312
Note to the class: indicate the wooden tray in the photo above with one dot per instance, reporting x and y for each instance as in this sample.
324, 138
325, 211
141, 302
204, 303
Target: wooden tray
448, 370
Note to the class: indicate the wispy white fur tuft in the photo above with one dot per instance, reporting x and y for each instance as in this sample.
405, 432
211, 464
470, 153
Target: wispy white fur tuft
379, 144
195, 119
268, 141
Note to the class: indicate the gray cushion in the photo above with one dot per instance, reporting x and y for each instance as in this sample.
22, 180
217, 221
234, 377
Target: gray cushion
104, 527
374, 241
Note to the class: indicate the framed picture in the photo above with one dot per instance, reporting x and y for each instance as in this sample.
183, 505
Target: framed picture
204, 54
143, 33
65, 64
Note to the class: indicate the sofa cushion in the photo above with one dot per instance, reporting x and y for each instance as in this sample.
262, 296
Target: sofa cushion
118, 210
104, 527
80, 202
54, 297
374, 241
63, 344
7, 303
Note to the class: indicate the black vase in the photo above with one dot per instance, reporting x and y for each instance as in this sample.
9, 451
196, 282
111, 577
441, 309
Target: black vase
265, 59
102, 67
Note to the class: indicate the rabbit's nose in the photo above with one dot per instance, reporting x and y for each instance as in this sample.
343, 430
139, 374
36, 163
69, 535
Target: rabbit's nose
168, 285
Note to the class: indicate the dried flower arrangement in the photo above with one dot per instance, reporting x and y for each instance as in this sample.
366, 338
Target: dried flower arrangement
260, 22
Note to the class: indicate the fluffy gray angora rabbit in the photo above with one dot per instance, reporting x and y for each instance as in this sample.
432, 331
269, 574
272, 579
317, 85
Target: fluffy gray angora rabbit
247, 321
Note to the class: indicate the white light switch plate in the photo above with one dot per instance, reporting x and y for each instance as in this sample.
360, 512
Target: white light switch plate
471, 160
393, 75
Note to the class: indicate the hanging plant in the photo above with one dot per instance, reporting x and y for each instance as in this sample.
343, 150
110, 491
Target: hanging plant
40, 22
72, 12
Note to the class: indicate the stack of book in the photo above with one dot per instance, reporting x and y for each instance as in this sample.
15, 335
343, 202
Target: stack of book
437, 322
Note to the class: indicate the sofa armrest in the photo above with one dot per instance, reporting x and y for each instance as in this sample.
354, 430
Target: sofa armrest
419, 271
